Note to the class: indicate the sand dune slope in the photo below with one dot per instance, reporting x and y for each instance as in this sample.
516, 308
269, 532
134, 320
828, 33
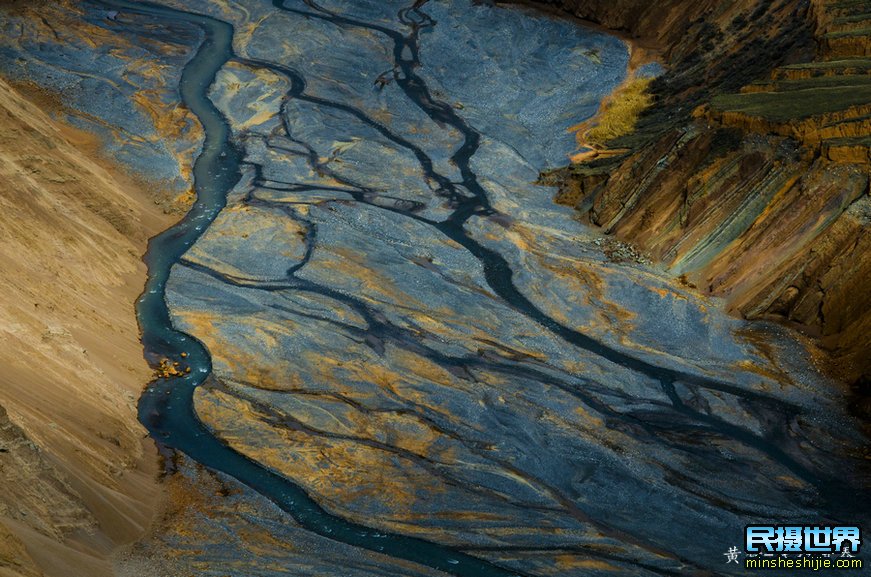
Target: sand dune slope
78, 477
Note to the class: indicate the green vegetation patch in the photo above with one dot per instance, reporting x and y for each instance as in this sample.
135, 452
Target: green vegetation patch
847, 64
800, 98
621, 112
854, 141
817, 82
853, 18
851, 6
848, 33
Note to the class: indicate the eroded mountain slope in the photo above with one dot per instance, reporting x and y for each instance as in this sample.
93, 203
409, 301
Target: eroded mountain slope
750, 173
77, 478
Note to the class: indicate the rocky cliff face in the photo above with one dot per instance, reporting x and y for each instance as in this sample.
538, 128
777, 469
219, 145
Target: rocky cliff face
750, 174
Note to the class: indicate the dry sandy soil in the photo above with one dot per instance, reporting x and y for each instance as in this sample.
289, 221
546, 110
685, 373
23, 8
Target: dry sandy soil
79, 478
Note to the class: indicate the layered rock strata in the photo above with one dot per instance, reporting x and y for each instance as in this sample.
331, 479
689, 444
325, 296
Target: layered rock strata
751, 179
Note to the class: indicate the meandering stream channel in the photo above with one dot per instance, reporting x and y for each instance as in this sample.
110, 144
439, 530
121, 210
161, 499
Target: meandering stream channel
397, 338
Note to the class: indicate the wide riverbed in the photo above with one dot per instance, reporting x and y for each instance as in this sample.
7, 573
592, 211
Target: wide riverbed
396, 337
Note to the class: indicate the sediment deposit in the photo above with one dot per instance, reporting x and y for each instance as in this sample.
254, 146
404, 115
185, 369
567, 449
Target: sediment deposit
404, 358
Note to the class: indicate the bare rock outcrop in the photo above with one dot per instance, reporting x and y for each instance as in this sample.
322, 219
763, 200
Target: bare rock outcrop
750, 179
